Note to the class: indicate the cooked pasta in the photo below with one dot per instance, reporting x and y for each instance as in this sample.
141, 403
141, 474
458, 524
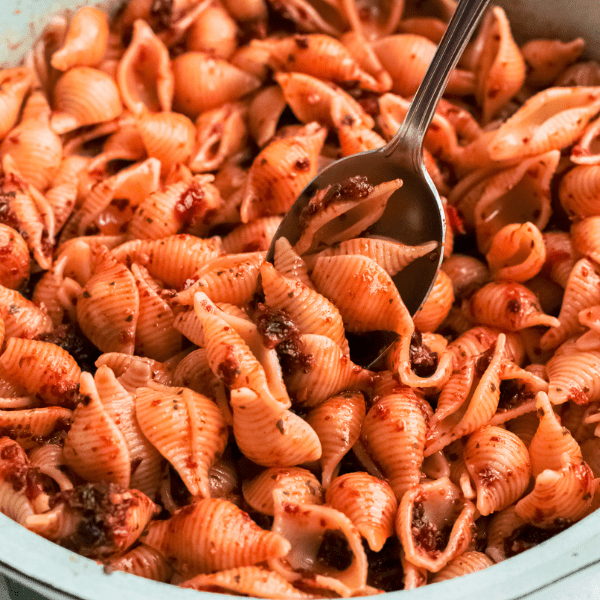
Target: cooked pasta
175, 406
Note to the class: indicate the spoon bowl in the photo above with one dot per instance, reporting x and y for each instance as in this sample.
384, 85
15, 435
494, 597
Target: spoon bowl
414, 214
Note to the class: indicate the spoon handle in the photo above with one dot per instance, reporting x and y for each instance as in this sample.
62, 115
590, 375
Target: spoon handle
408, 140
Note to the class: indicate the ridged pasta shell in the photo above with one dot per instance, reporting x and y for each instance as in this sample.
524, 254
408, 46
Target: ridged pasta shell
21, 493
190, 533
311, 99
250, 581
213, 31
508, 305
547, 59
579, 191
550, 120
337, 422
108, 308
118, 402
170, 137
95, 448
15, 84
311, 312
393, 432
220, 134
310, 528
269, 190
42, 369
295, 484
368, 502
587, 149
28, 426
86, 40
172, 260
517, 252
500, 70
582, 291
14, 269
424, 513
48, 459
373, 24
33, 145
466, 273
289, 264
144, 73
501, 527
363, 53
467, 563
255, 236
203, 83
142, 561
437, 304
363, 292
406, 58
22, 318
84, 96
573, 376
286, 439
558, 495
186, 428
551, 441
327, 18
499, 465
323, 370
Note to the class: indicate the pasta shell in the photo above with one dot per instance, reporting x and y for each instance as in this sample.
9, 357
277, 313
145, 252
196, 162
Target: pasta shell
341, 212
547, 59
311, 99
509, 305
584, 73
363, 53
582, 291
286, 439
255, 236
22, 318
213, 523
169, 137
500, 70
142, 561
551, 441
498, 463
203, 83
466, 272
518, 252
406, 58
86, 40
433, 534
322, 370
501, 529
368, 502
373, 24
550, 120
144, 73
572, 376
363, 292
587, 150
289, 264
84, 96
34, 147
48, 459
118, 402
214, 32
14, 269
467, 563
186, 428
579, 191
563, 494
15, 84
337, 422
437, 305
264, 113
269, 188
172, 260
295, 484
28, 426
309, 528
393, 433
108, 308
251, 581
560, 256
220, 133
302, 304
120, 363
42, 369
95, 448
20, 490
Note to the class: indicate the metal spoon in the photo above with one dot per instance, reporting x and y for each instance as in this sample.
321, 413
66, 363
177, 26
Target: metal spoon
414, 214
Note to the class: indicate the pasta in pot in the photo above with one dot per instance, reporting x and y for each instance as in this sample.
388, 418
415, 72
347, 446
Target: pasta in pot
176, 407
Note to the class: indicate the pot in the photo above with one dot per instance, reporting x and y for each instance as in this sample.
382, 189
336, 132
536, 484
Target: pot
565, 566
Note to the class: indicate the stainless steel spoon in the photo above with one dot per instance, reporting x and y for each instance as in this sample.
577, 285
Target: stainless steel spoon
414, 214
